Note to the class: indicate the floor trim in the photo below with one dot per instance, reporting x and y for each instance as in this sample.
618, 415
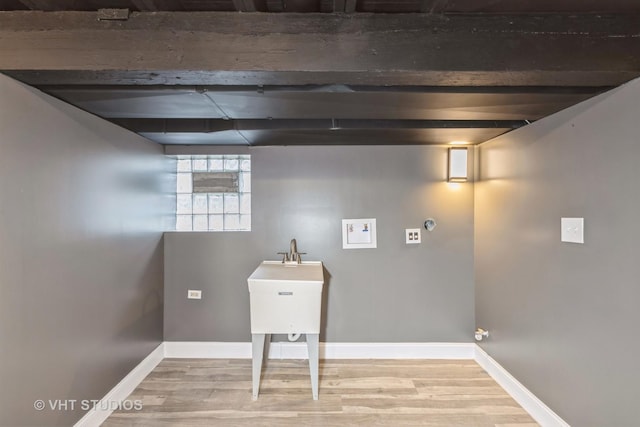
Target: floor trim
207, 350
534, 406
122, 390
294, 350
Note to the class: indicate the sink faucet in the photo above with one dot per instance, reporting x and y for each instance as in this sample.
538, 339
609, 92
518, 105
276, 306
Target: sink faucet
293, 255
293, 251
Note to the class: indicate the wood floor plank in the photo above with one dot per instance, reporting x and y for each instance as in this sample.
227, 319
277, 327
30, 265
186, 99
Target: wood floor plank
372, 393
449, 390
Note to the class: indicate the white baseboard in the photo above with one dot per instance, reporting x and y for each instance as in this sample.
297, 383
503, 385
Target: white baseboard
534, 406
397, 351
298, 350
294, 350
122, 390
207, 350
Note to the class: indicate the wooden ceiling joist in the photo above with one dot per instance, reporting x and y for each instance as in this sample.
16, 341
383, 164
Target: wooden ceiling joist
216, 125
46, 5
157, 5
350, 6
245, 5
275, 5
320, 48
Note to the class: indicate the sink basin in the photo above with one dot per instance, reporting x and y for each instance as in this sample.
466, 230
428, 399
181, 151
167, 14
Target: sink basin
286, 298
306, 273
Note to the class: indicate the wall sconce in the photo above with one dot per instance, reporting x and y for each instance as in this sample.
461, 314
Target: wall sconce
457, 164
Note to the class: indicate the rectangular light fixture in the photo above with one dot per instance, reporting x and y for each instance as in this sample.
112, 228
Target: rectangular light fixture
457, 164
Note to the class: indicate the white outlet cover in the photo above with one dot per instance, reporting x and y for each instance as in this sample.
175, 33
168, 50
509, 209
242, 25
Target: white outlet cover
572, 230
412, 236
194, 294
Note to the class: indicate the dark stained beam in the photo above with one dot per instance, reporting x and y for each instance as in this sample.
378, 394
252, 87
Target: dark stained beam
324, 137
350, 6
536, 6
265, 89
112, 14
317, 48
385, 78
244, 5
157, 5
387, 6
275, 5
321, 102
501, 6
217, 125
12, 5
76, 5
433, 6
329, 137
47, 5
207, 5
332, 6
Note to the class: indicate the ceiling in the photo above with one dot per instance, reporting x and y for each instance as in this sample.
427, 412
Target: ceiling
331, 6
332, 113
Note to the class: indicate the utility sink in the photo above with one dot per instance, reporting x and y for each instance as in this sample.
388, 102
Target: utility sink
286, 298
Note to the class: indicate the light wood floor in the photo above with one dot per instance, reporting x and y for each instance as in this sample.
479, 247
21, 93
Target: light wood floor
217, 392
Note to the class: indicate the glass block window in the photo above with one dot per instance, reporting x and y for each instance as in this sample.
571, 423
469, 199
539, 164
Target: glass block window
213, 193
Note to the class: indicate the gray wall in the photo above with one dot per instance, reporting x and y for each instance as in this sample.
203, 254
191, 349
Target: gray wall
395, 293
80, 254
564, 317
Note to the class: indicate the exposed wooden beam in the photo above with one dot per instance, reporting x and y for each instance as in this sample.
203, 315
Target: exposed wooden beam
217, 125
47, 5
433, 6
316, 48
350, 6
157, 5
112, 14
244, 5
332, 6
266, 89
275, 5
385, 78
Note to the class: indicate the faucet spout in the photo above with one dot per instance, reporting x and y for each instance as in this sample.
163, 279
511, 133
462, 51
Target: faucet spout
293, 255
293, 251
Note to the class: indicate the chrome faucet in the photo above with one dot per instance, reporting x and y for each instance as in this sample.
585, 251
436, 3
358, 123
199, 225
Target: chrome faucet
293, 255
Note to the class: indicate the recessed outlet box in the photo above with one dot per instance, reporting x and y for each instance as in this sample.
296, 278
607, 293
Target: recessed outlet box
194, 294
412, 236
572, 230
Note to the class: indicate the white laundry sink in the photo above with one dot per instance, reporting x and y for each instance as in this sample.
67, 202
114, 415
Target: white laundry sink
286, 298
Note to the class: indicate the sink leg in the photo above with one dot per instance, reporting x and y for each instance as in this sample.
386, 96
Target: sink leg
312, 348
257, 350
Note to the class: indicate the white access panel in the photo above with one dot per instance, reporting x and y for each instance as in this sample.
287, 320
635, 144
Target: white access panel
572, 230
359, 233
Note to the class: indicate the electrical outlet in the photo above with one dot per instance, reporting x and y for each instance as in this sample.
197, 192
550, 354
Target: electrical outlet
194, 294
412, 236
